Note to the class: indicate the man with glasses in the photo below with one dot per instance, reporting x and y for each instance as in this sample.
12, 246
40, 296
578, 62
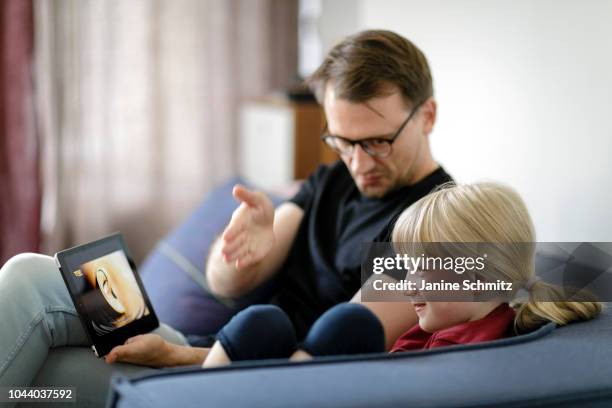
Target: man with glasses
377, 93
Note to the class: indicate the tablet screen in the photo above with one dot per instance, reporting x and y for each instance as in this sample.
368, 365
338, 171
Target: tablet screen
110, 293
107, 292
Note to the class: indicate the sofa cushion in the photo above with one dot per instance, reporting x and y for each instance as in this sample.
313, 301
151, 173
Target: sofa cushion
568, 366
173, 273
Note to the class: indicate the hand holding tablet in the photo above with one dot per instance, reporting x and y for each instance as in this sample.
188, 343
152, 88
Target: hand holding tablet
145, 349
107, 292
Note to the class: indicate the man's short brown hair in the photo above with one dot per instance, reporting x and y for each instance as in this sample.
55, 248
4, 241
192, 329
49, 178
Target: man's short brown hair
363, 65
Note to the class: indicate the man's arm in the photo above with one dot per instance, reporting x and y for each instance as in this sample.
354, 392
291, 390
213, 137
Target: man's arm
396, 317
254, 245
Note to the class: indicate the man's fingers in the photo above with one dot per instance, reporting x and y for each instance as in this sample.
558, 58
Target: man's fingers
244, 262
251, 198
229, 248
116, 354
239, 254
235, 228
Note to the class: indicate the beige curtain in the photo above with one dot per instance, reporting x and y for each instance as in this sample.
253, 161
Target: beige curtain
138, 105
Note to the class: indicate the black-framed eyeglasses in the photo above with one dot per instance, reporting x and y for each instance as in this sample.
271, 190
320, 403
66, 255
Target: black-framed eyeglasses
374, 146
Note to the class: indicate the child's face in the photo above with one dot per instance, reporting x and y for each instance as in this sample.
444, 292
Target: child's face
434, 316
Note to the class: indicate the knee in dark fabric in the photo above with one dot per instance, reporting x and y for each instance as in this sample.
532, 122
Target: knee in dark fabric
258, 332
347, 328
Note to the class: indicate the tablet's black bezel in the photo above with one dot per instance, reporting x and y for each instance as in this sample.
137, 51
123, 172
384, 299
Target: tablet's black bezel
90, 251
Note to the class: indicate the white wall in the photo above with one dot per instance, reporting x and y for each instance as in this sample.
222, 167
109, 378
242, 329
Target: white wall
338, 19
525, 97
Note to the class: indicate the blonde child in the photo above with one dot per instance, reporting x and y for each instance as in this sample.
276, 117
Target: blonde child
484, 213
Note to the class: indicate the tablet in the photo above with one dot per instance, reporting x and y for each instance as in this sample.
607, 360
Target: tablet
107, 292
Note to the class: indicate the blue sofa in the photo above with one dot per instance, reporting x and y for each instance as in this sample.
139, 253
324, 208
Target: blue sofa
569, 366
560, 367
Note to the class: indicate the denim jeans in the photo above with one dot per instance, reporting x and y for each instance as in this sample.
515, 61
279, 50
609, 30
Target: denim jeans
42, 340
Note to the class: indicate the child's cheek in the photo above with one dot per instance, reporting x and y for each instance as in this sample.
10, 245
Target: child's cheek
438, 316
431, 319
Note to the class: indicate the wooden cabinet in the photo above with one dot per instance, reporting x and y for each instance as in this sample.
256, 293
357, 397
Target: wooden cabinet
280, 141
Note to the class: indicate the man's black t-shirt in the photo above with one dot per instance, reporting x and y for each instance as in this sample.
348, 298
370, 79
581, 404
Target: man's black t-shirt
324, 264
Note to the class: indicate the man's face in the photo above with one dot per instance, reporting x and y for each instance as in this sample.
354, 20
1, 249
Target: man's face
380, 117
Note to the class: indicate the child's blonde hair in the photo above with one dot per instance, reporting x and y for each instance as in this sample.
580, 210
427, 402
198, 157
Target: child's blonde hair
492, 213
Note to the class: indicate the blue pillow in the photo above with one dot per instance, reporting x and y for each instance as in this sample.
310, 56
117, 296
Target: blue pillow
173, 273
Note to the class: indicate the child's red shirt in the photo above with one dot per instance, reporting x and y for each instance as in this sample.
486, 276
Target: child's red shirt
496, 325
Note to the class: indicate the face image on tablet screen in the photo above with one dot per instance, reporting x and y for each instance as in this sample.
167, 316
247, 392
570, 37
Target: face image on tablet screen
112, 297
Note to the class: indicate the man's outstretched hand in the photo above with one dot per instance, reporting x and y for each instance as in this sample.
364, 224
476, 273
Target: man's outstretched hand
249, 236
